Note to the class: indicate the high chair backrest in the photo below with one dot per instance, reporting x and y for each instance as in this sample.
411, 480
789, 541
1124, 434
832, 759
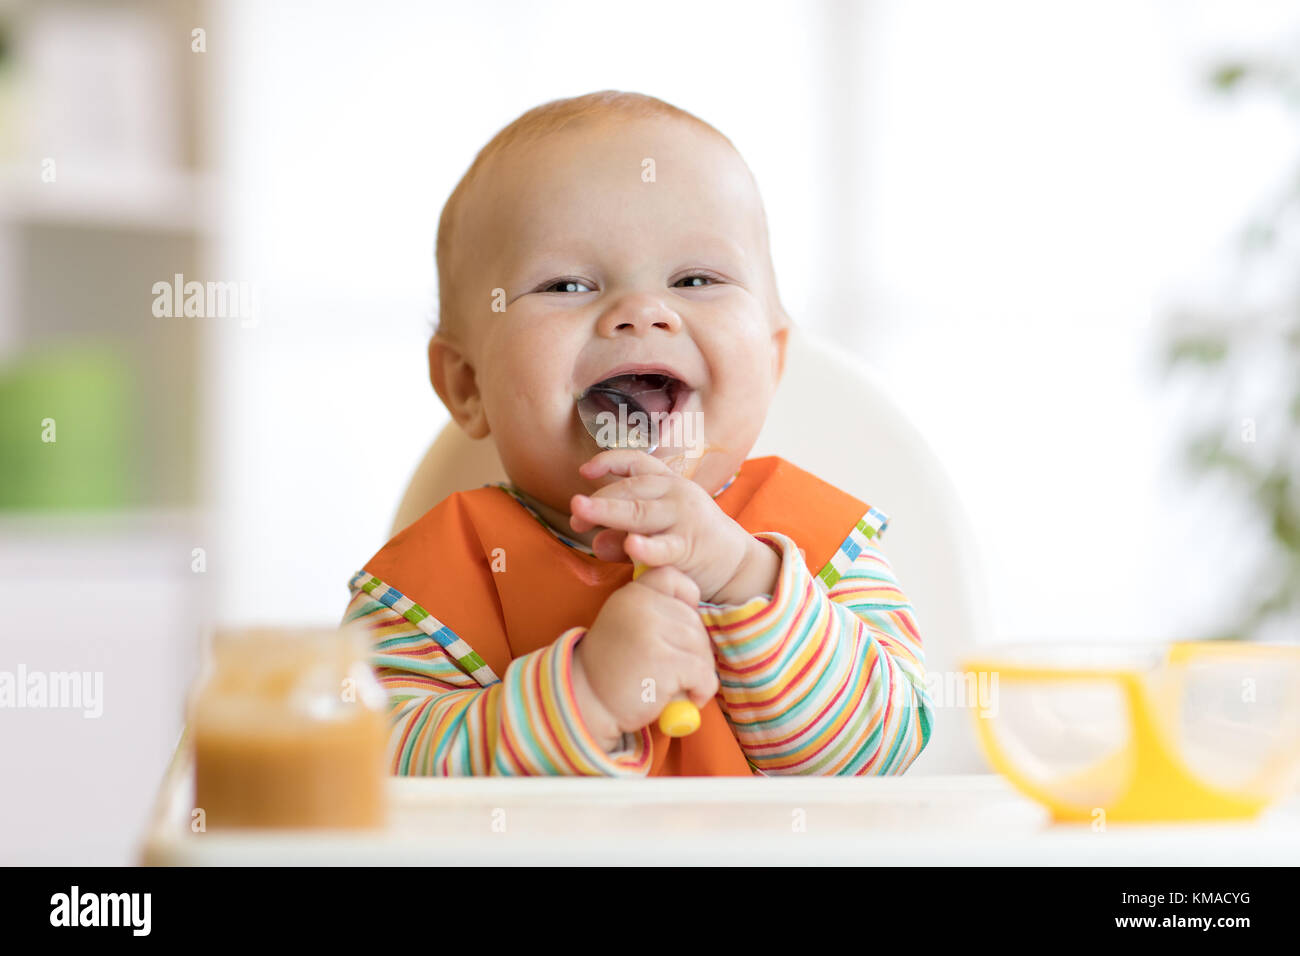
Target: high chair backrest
832, 416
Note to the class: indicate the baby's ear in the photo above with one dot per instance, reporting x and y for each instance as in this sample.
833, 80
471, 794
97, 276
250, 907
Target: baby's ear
779, 339
454, 380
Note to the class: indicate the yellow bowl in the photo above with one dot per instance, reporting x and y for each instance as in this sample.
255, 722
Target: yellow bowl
1195, 730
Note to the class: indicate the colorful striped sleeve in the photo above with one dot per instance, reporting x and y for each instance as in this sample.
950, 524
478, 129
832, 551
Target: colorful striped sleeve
451, 716
826, 676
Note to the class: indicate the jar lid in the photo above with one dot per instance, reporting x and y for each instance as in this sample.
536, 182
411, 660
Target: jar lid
275, 663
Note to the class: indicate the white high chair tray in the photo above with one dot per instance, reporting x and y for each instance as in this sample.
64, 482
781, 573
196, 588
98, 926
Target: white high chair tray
676, 821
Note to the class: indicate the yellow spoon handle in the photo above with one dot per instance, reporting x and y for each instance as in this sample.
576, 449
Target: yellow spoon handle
680, 717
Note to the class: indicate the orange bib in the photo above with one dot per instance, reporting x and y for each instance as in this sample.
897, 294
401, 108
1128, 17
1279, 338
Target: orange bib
444, 562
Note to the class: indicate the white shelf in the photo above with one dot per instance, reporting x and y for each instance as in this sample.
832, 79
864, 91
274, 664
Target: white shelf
165, 200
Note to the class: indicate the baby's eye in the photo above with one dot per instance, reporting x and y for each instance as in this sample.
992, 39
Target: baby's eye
567, 285
695, 281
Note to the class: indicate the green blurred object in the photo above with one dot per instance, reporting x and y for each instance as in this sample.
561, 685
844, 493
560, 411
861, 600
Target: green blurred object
82, 398
1221, 346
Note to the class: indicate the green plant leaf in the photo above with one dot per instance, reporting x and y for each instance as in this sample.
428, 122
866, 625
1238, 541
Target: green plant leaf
1228, 75
1198, 349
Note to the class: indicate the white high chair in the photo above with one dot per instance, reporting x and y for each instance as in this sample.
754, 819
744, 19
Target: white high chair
886, 463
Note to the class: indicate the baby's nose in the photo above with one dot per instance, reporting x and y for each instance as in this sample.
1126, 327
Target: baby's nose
637, 314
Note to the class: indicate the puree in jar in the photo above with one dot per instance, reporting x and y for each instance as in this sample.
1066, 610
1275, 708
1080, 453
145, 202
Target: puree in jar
289, 730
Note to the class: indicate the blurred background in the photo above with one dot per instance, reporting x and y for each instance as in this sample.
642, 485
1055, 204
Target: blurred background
1064, 233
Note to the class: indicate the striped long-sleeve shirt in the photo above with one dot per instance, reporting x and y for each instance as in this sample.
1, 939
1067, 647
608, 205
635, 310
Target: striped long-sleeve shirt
815, 679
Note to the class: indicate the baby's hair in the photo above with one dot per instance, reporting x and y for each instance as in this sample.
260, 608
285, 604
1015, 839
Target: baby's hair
536, 123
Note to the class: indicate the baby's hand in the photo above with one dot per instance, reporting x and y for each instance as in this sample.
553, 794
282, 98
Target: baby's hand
647, 630
658, 517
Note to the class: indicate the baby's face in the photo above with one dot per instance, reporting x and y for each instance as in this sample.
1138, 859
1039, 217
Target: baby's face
599, 269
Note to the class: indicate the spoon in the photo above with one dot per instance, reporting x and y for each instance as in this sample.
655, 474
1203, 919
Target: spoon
600, 402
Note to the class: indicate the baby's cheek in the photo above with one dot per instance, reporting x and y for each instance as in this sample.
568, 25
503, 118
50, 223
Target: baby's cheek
736, 417
745, 383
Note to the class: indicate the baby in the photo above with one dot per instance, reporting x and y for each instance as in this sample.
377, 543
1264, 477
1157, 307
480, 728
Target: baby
615, 238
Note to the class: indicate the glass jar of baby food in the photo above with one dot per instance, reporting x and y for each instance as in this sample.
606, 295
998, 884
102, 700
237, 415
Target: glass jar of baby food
289, 730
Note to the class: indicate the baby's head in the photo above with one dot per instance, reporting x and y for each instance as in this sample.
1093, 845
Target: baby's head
594, 233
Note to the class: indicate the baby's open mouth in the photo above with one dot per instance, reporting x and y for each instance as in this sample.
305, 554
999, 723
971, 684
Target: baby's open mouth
656, 395
651, 392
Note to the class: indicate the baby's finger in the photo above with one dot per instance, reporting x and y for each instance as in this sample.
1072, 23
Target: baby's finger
608, 545
656, 550
637, 486
668, 580
704, 688
643, 515
623, 461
